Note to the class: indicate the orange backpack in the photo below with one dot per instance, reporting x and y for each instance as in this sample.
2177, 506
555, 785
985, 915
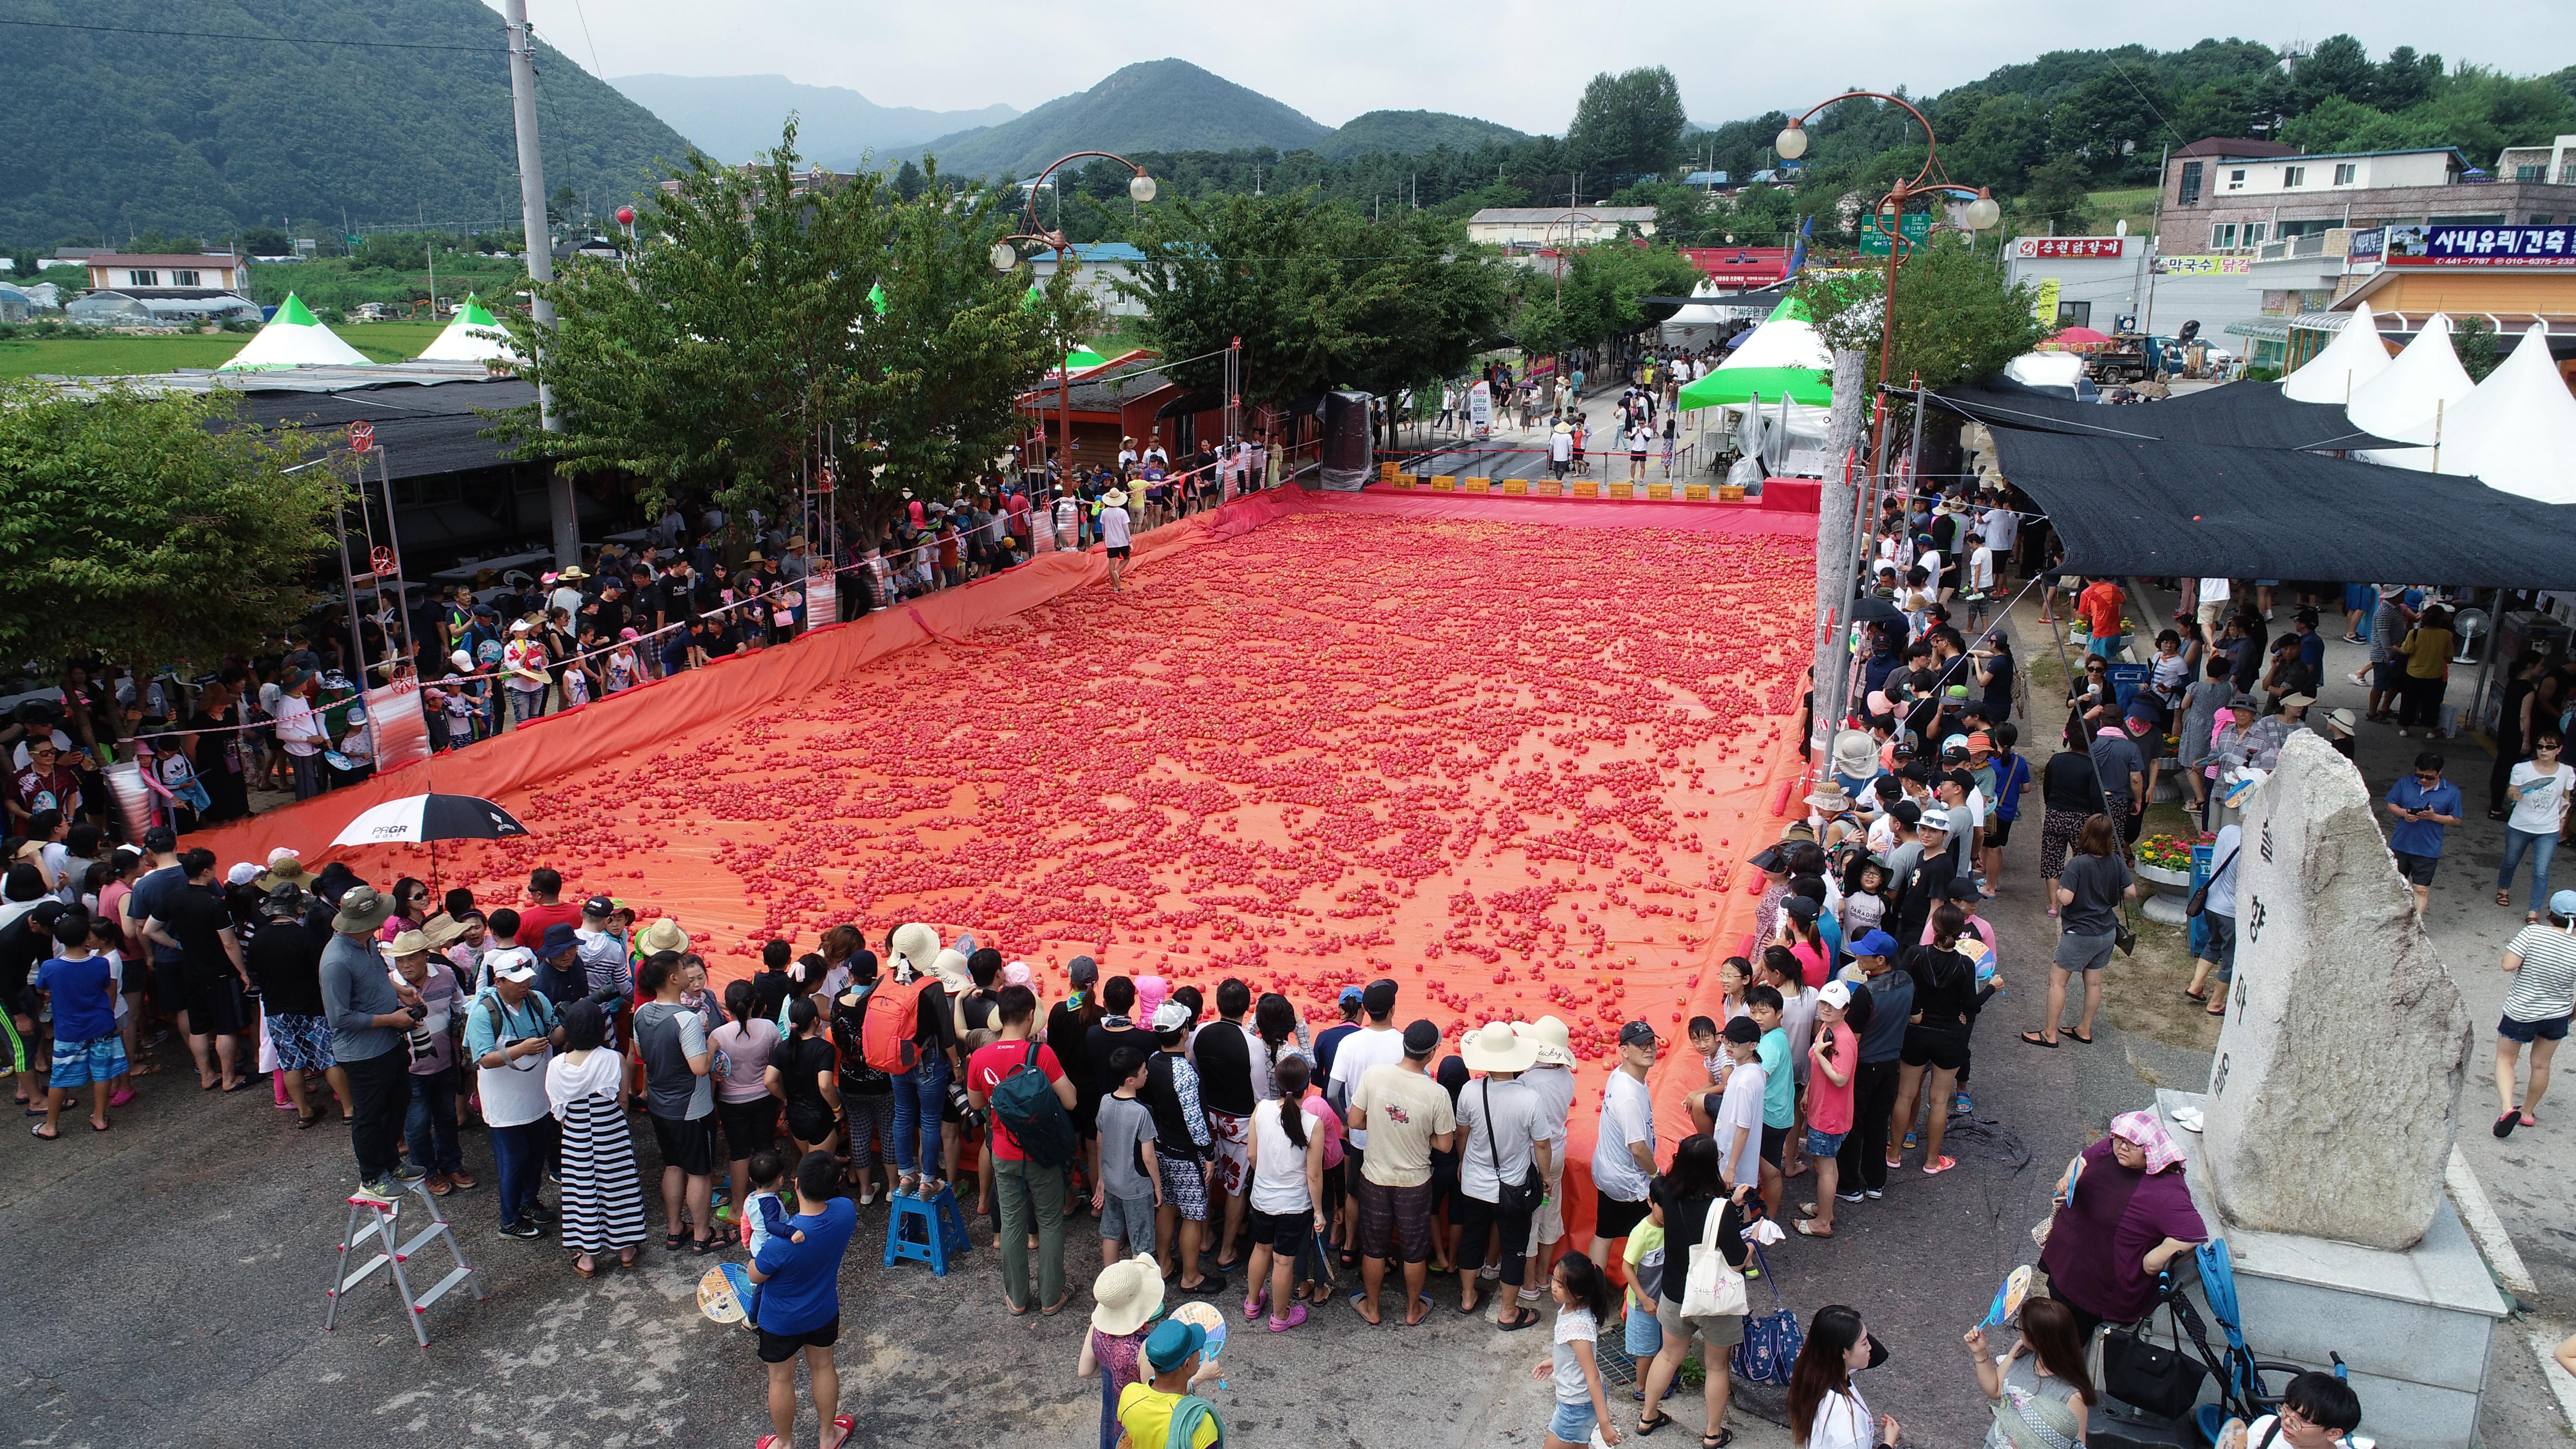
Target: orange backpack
886, 1030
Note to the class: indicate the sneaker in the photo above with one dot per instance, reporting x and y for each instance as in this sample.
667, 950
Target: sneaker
523, 1230
1872, 1193
382, 1190
440, 1185
1491, 1272
464, 1179
1848, 1196
867, 1197
539, 1211
409, 1173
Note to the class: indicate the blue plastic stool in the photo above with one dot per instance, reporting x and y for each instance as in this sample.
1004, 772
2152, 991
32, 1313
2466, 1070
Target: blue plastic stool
942, 1235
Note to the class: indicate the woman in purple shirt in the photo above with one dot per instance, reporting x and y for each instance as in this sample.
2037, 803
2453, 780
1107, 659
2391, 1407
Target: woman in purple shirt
2123, 1213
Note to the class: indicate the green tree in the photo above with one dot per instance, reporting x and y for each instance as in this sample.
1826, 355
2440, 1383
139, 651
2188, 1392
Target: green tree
2338, 67
2056, 193
741, 342
2404, 79
152, 527
1957, 321
1629, 123
2473, 339
266, 241
907, 180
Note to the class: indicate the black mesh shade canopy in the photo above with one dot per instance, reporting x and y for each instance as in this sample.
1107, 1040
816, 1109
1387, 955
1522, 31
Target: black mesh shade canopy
2238, 415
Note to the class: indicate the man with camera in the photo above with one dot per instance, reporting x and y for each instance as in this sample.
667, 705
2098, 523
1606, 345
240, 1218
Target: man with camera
370, 1017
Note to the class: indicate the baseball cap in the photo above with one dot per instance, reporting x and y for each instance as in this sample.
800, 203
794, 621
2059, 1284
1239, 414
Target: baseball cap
1876, 943
1838, 994
2562, 904
1083, 971
160, 840
1964, 889
517, 963
1379, 998
1636, 1033
1421, 1038
1350, 996
1172, 1343
1742, 1029
559, 937
1802, 907
1906, 812
1172, 1016
599, 907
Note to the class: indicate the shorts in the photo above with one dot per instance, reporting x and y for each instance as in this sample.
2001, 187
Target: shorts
2418, 869
1645, 1335
1284, 1233
302, 1043
1573, 1423
102, 1059
2221, 950
1130, 1218
1614, 1217
749, 1127
1121, 551
783, 1347
1713, 1330
170, 985
1395, 1216
1998, 831
1824, 1144
1444, 1180
2084, 953
1232, 1171
1548, 1223
689, 1145
1944, 1049
2526, 1032
1184, 1185
1773, 1140
214, 1003
2387, 676
2057, 832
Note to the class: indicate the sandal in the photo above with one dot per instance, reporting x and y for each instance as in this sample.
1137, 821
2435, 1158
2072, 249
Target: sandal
2035, 1039
1719, 1440
2215, 1009
1651, 1420
2195, 995
2079, 1036
1941, 1165
1808, 1229
592, 1271
1521, 1318
672, 1241
700, 1247
2503, 898
38, 1131
304, 1123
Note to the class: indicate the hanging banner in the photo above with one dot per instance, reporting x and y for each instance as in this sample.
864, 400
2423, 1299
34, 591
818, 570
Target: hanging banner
396, 726
2200, 266
2044, 305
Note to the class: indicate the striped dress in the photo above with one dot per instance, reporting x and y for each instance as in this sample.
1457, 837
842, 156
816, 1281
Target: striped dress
603, 1194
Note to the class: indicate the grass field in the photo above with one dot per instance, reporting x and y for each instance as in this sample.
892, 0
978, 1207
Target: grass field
2135, 205
129, 356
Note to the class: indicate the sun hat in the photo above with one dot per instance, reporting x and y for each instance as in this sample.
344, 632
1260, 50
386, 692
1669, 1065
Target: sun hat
1150, 991
663, 935
2144, 1131
1126, 1295
1981, 741
1114, 498
1555, 1044
361, 910
2297, 700
558, 939
286, 898
1855, 754
1498, 1047
572, 575
1173, 1343
1829, 798
408, 943
2342, 722
443, 931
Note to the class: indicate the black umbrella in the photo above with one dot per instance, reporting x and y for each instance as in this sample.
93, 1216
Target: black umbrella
429, 819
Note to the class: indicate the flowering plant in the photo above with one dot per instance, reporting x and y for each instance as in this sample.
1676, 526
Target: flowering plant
2166, 852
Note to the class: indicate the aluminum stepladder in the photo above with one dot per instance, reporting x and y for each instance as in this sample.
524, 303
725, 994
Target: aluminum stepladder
378, 1224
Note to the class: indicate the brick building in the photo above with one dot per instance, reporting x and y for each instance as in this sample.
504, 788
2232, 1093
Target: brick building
2227, 196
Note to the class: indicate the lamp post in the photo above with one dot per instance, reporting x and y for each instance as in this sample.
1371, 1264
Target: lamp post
1006, 256
1889, 215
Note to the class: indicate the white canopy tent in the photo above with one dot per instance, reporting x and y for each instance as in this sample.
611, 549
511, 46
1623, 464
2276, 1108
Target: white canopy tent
472, 337
2516, 432
2338, 373
2409, 402
295, 338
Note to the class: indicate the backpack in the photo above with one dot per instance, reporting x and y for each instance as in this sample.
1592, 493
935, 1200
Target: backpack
1025, 1102
886, 1033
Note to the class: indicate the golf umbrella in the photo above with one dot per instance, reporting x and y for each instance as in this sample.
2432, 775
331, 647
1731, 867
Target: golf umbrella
419, 819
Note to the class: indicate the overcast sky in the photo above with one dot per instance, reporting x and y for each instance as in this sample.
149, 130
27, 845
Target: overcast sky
1515, 61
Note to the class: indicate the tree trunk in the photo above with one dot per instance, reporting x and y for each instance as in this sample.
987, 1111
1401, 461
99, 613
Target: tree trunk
1837, 549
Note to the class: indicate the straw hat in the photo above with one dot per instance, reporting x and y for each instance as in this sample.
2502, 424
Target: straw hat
1830, 799
950, 967
572, 575
1554, 1045
1127, 1295
1499, 1047
408, 943
442, 931
663, 935
1114, 498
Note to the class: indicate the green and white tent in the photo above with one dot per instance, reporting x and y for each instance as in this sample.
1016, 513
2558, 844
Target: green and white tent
471, 337
1784, 355
295, 338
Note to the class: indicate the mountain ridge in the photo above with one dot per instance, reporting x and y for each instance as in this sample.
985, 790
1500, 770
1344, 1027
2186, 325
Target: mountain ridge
732, 116
1154, 105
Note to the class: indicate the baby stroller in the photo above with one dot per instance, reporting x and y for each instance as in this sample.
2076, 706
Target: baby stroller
2152, 1391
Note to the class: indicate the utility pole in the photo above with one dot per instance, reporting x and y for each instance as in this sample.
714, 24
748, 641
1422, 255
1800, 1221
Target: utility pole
541, 259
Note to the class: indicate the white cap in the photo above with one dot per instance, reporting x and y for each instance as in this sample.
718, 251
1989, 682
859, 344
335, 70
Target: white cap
1836, 994
1172, 1015
518, 963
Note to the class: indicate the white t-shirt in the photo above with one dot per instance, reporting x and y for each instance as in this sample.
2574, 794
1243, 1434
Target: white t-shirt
2003, 529
1279, 1166
1627, 1117
1742, 1107
1798, 1018
1113, 527
1519, 1120
2215, 591
1560, 447
1555, 1089
2536, 813
1358, 1052
1981, 569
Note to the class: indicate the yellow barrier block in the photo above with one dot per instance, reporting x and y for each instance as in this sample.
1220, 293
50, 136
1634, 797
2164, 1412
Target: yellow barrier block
1386, 471
1401, 480
1659, 492
1586, 488
1516, 485
1695, 493
1546, 487
1479, 485
1445, 483
1729, 493
1623, 490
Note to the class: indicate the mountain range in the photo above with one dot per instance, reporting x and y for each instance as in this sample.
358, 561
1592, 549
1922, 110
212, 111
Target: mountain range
1155, 105
731, 116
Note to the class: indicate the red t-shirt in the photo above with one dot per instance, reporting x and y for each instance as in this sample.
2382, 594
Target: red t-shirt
533, 920
985, 1071
2100, 605
1829, 1108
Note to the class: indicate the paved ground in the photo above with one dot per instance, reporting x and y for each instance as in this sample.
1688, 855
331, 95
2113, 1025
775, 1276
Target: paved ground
170, 1272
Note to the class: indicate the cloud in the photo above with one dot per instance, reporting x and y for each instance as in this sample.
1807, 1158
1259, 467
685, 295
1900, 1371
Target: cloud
1518, 62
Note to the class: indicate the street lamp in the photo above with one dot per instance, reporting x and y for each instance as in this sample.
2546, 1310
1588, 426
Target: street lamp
1005, 256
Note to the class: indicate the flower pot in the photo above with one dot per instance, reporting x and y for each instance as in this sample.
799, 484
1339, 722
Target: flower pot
2176, 881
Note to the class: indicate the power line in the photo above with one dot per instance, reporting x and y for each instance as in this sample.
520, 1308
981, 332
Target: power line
269, 39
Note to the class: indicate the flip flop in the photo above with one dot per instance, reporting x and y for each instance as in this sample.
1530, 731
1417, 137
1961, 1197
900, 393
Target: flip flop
847, 1425
1521, 1318
2195, 995
2504, 1125
2086, 1040
38, 1131
2215, 1011
2035, 1039
1807, 1229
1935, 1169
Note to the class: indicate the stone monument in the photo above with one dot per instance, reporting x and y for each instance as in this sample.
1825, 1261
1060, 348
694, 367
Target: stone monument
2331, 1107
2335, 1092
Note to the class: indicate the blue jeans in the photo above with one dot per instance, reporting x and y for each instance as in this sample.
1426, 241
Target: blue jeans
515, 1161
2542, 848
429, 1127
920, 1095
526, 704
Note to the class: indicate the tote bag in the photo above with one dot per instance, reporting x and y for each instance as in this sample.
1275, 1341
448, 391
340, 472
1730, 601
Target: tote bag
1713, 1287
